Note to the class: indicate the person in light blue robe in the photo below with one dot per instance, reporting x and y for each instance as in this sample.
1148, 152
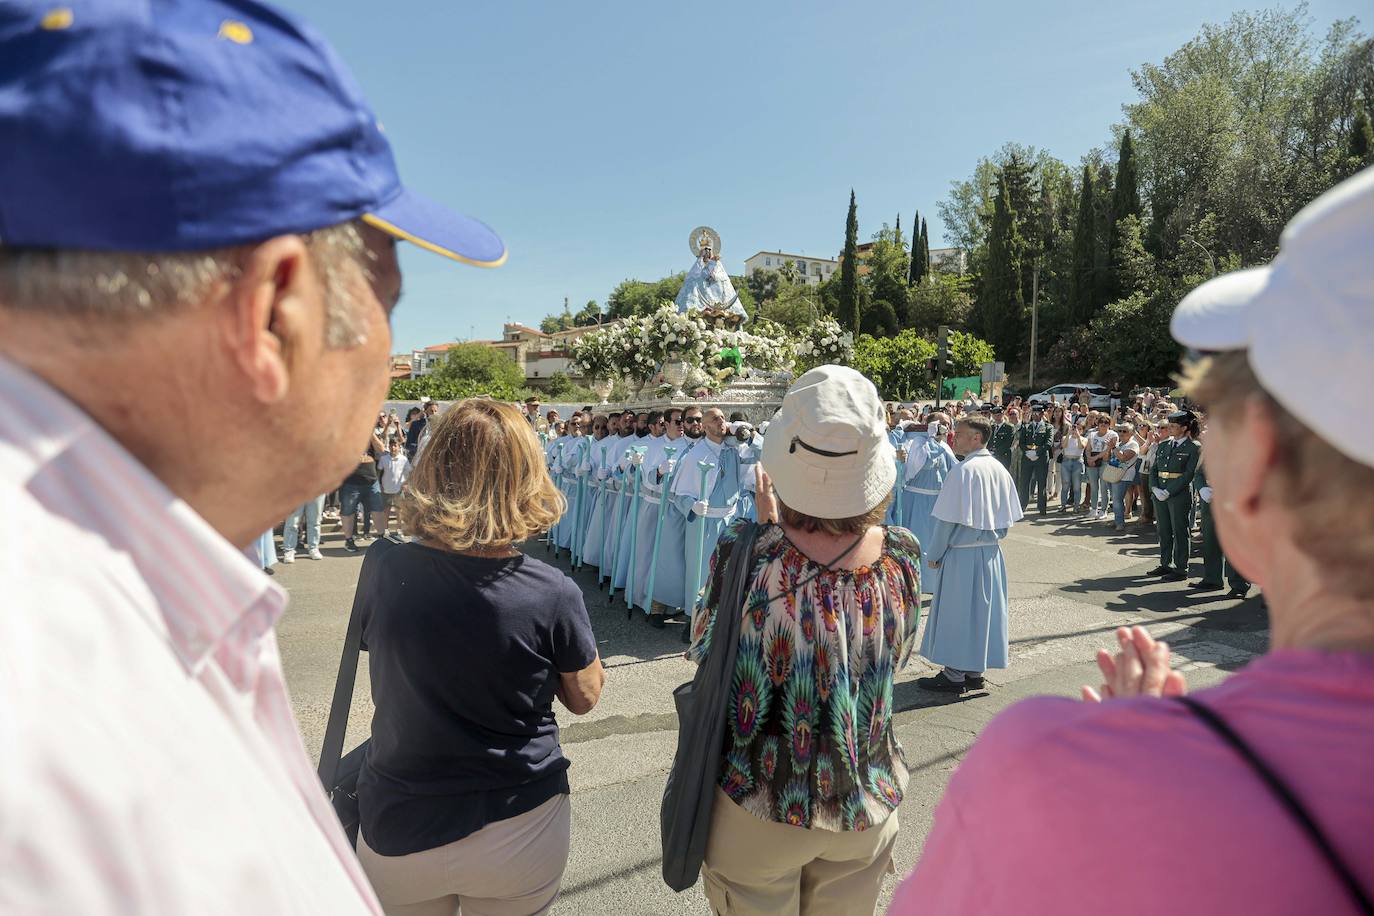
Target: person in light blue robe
617, 460
627, 525
749, 449
721, 499
928, 462
657, 468
568, 462
598, 470
553, 454
966, 629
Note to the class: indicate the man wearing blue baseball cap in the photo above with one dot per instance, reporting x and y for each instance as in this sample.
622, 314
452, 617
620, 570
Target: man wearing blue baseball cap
198, 218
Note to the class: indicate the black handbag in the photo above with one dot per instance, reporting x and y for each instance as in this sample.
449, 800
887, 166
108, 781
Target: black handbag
340, 776
685, 815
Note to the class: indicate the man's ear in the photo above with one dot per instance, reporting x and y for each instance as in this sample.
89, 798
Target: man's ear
271, 316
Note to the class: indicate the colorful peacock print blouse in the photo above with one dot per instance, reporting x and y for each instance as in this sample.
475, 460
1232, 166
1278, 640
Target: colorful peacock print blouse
809, 740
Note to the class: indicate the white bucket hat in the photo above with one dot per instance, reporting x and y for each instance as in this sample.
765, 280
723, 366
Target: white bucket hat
1306, 319
827, 449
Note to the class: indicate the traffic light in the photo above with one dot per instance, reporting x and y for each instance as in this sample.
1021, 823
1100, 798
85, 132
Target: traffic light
944, 360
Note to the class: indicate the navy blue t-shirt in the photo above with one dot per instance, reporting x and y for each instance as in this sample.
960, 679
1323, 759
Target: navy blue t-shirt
464, 657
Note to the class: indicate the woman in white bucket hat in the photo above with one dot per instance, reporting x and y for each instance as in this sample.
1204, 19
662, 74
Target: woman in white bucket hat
805, 816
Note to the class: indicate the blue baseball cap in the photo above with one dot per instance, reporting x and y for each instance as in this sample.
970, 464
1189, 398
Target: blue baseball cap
182, 125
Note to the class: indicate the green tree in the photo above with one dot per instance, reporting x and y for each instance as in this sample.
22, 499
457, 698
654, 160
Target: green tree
1001, 303
1361, 147
589, 314
1125, 203
925, 248
560, 322
896, 365
486, 368
880, 319
940, 299
916, 265
885, 280
848, 314
762, 285
1084, 291
637, 297
968, 353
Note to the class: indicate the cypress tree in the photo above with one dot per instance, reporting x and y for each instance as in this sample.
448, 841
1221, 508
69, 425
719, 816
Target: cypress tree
925, 250
1001, 303
1126, 197
849, 270
913, 274
1104, 278
1084, 249
1125, 202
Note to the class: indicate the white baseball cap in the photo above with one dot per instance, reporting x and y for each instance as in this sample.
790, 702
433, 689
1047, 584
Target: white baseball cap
827, 449
1306, 319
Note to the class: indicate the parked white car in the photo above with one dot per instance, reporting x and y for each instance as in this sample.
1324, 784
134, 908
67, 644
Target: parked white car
1097, 395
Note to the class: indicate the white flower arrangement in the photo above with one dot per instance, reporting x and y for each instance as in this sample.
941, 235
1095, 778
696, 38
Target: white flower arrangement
825, 342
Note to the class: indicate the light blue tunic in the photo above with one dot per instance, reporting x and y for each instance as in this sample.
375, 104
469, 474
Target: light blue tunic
626, 528
669, 571
568, 484
701, 534
967, 625
917, 505
594, 546
663, 568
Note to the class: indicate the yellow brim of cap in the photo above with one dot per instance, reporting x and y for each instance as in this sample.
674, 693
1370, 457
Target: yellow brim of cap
397, 232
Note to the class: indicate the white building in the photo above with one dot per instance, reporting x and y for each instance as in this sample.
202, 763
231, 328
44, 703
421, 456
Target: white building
949, 260
810, 271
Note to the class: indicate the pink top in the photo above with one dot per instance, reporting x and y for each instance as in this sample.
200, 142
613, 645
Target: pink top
149, 758
1135, 806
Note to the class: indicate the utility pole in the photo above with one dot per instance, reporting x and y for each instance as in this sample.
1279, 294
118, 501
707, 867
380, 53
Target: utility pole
1035, 318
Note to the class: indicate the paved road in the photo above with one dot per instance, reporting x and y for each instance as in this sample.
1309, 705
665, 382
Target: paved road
1072, 583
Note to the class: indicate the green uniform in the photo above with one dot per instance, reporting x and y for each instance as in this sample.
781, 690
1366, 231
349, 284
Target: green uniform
1003, 442
1214, 562
1034, 471
1175, 465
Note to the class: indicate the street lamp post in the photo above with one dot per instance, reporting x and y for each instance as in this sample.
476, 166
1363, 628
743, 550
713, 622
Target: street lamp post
1211, 261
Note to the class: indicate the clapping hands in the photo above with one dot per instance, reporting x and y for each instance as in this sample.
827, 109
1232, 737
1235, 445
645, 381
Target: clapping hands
1139, 668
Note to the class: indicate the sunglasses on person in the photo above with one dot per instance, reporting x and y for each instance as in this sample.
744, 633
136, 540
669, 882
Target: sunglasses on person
691, 420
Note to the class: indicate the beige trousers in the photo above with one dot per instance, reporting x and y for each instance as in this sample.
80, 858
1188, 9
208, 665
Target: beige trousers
760, 867
508, 868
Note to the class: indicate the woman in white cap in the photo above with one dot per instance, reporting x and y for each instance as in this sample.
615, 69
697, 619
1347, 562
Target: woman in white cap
806, 813
1253, 796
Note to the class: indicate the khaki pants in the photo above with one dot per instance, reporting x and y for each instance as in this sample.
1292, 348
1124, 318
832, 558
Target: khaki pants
760, 867
508, 868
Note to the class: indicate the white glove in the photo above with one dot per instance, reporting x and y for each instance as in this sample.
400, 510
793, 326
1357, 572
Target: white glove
1205, 493
701, 507
636, 458
1160, 493
603, 473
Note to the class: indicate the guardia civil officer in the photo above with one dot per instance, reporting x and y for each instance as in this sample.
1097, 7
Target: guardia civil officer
1171, 482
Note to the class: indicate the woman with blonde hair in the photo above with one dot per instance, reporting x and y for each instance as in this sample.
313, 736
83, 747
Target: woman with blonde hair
463, 796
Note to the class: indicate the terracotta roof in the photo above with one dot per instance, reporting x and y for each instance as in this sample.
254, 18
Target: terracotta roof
524, 327
440, 347
400, 372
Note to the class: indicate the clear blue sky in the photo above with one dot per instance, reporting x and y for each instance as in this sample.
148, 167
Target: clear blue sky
594, 136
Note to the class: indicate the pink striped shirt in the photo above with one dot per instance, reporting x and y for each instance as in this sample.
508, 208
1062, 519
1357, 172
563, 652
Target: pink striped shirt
151, 762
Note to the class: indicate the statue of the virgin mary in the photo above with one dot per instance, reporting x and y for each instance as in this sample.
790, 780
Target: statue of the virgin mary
708, 288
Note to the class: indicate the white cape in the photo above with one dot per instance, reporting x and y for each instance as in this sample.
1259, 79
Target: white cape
979, 493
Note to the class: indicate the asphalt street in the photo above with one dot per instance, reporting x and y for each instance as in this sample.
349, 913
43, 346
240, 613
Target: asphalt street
1072, 583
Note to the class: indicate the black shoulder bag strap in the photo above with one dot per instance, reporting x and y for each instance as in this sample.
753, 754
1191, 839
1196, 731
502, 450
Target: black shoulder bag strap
1289, 800
337, 725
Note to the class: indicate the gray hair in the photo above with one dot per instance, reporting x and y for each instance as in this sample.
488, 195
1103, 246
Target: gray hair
130, 285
